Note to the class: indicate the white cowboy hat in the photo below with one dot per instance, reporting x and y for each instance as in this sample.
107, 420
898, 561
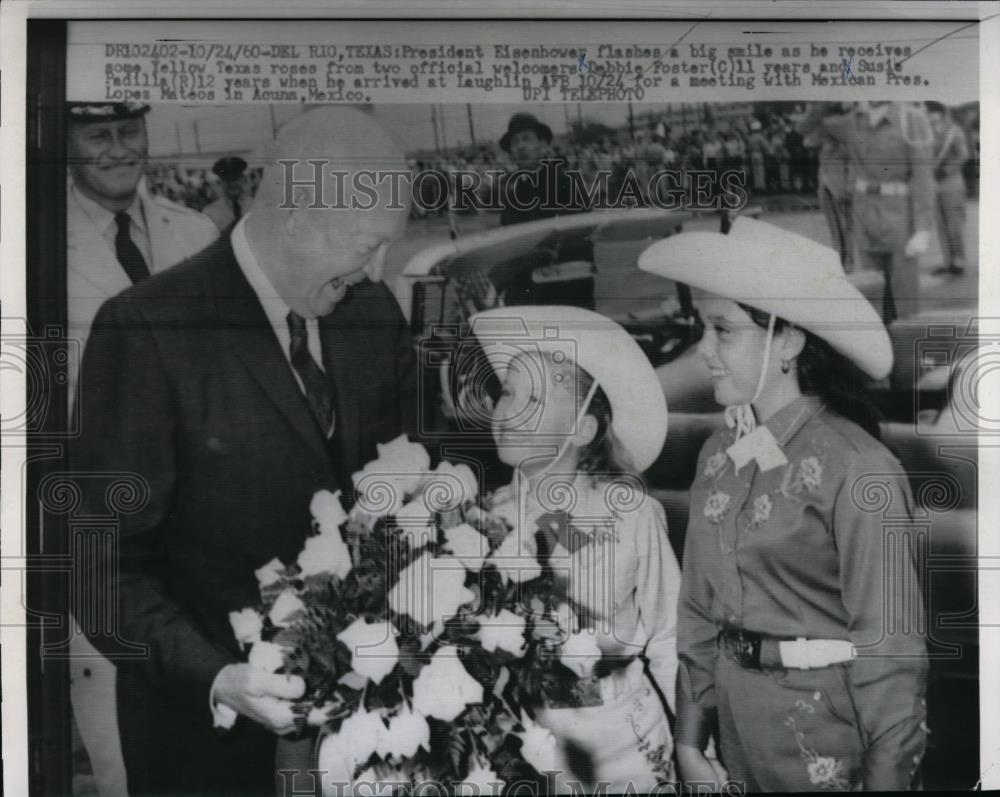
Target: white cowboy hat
601, 348
779, 272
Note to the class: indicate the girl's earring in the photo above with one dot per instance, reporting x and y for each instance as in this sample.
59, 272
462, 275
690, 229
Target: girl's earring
785, 366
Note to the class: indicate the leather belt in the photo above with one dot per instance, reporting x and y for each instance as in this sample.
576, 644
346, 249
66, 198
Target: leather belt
757, 652
883, 189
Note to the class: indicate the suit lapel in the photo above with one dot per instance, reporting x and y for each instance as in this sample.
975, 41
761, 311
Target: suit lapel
254, 342
161, 234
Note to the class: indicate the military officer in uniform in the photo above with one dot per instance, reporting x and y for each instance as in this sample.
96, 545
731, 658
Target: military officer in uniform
889, 154
834, 193
951, 151
228, 208
117, 234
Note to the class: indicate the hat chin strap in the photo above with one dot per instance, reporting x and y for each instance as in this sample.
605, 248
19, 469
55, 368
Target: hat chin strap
741, 416
523, 494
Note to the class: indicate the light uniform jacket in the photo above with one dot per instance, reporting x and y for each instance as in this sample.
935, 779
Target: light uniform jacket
93, 271
895, 150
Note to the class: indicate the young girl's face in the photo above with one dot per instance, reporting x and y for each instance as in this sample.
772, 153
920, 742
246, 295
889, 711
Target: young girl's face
536, 413
733, 349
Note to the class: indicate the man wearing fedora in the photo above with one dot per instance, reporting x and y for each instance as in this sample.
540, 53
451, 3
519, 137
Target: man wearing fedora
228, 208
538, 189
117, 234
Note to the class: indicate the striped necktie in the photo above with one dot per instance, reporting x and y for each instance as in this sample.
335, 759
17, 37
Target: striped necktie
318, 386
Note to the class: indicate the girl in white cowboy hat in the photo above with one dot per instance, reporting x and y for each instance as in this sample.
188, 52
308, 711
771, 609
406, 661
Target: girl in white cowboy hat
580, 415
799, 610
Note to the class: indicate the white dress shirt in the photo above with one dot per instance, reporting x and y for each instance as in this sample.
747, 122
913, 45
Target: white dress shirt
104, 220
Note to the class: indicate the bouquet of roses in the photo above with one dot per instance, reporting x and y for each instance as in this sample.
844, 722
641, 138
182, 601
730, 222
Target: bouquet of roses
427, 629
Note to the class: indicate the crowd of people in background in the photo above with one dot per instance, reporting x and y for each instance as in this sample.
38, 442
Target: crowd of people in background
775, 158
193, 186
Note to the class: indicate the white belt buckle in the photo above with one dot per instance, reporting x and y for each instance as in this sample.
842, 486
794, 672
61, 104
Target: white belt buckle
808, 654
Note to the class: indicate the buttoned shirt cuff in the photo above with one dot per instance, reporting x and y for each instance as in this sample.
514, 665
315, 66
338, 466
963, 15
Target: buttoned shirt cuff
223, 716
694, 723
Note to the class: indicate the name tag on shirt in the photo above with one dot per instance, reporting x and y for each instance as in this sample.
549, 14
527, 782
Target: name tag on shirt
759, 445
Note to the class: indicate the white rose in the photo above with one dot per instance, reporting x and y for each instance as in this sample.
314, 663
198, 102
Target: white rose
504, 630
538, 746
405, 457
444, 688
381, 491
325, 553
429, 589
469, 546
284, 607
407, 732
374, 652
450, 486
480, 780
361, 733
398, 471
517, 558
266, 657
247, 625
327, 511
580, 653
270, 573
416, 523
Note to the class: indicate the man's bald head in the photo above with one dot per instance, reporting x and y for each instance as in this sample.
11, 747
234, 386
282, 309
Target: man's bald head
325, 208
344, 138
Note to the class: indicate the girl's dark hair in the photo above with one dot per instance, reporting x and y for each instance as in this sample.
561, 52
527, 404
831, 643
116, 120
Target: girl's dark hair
603, 458
830, 376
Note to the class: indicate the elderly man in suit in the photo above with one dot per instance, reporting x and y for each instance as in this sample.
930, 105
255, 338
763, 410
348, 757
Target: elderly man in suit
117, 234
233, 388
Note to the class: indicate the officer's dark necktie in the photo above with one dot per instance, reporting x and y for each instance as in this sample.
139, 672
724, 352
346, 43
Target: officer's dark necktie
237, 210
318, 387
127, 252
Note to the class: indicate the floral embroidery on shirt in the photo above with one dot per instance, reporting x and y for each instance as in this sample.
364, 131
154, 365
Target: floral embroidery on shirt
826, 772
715, 465
761, 510
811, 473
716, 506
808, 476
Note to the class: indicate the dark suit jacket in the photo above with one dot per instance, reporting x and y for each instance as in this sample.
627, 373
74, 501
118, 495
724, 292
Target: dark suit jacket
184, 384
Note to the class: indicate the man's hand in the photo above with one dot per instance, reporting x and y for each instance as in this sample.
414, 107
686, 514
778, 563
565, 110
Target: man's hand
918, 244
262, 696
697, 769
